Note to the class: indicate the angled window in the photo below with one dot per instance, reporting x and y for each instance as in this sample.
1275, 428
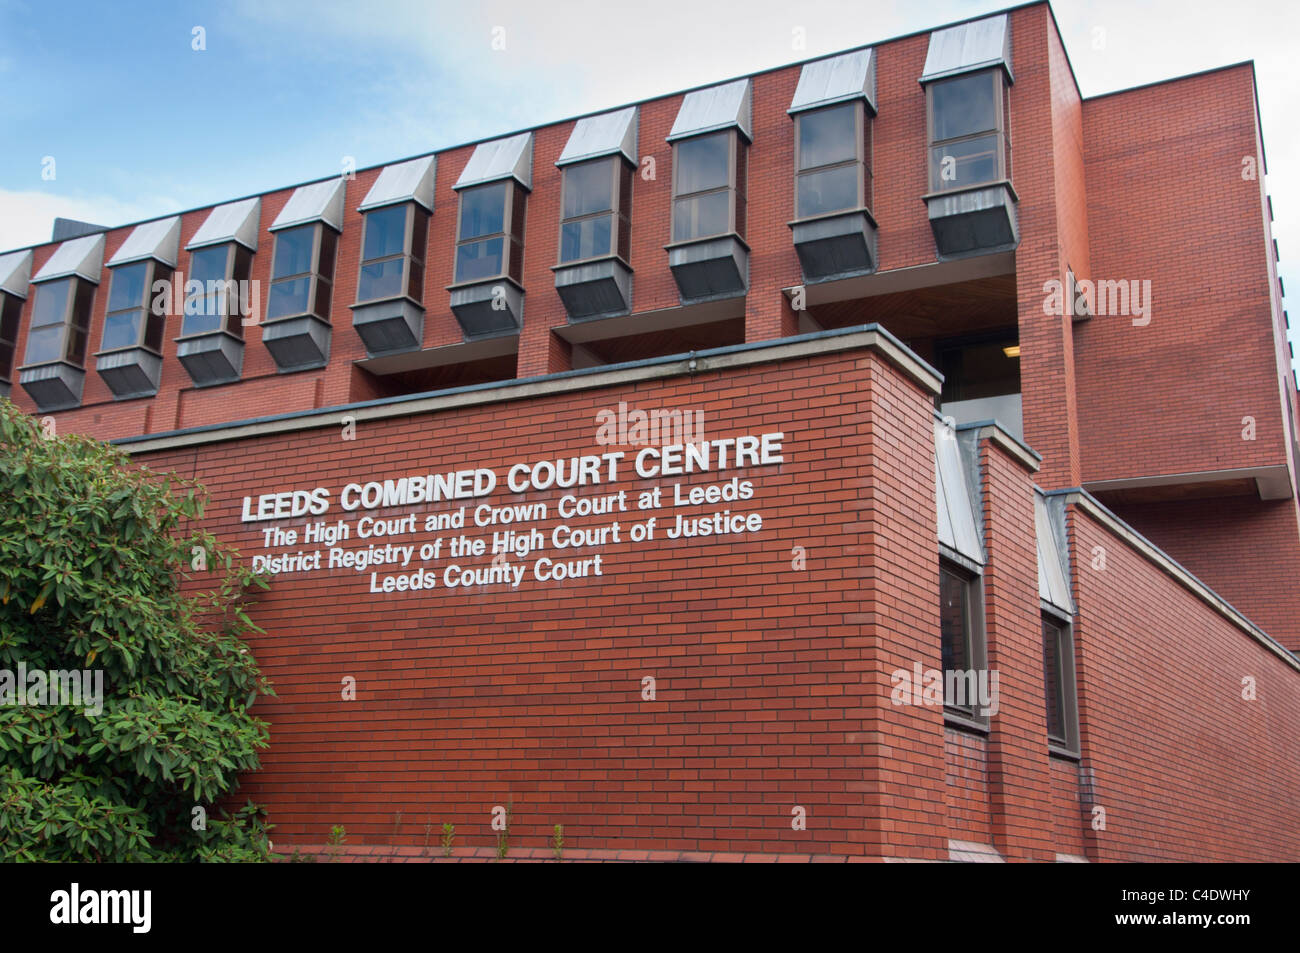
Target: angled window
968, 143
831, 160
388, 314
967, 80
11, 308
709, 175
593, 276
131, 321
1059, 685
596, 210
392, 253
60, 321
490, 238
302, 272
15, 277
710, 140
214, 304
833, 231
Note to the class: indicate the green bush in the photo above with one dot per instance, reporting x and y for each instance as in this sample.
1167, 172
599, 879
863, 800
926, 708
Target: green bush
93, 555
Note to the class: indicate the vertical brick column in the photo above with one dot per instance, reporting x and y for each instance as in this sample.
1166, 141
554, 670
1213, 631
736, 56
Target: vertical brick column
1018, 768
905, 806
1046, 159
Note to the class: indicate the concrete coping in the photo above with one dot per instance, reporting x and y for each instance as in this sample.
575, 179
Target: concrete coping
865, 337
1017, 449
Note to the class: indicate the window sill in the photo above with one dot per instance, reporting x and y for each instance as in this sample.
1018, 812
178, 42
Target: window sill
964, 722
129, 347
40, 364
577, 262
828, 216
992, 183
201, 335
707, 238
478, 282
372, 301
1063, 753
293, 317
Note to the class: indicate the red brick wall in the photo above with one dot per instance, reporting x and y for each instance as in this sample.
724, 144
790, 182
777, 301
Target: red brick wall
1167, 202
772, 684
1245, 549
1183, 766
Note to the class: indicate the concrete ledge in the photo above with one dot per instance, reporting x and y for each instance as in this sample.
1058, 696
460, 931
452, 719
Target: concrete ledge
993, 431
863, 337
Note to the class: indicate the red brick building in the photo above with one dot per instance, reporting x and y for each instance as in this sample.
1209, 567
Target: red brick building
891, 456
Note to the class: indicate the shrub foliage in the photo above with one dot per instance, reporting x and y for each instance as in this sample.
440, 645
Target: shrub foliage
95, 554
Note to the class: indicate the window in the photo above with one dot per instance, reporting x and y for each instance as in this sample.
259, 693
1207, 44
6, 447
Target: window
596, 219
392, 253
131, 321
978, 368
1058, 681
962, 641
11, 308
490, 239
968, 145
60, 319
832, 155
221, 271
709, 175
302, 272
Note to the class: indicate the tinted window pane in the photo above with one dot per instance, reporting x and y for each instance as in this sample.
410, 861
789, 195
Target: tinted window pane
6, 360
700, 216
289, 297
828, 191
44, 344
201, 322
293, 251
9, 318
702, 163
953, 629
328, 242
479, 259
128, 286
51, 303
588, 188
964, 106
381, 279
385, 233
122, 329
974, 161
483, 210
1054, 681
209, 264
76, 352
586, 238
323, 291
153, 332
827, 136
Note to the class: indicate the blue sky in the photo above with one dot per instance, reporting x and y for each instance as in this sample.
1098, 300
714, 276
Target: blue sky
139, 123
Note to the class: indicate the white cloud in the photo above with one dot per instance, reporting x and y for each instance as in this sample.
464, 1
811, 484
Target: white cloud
29, 216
